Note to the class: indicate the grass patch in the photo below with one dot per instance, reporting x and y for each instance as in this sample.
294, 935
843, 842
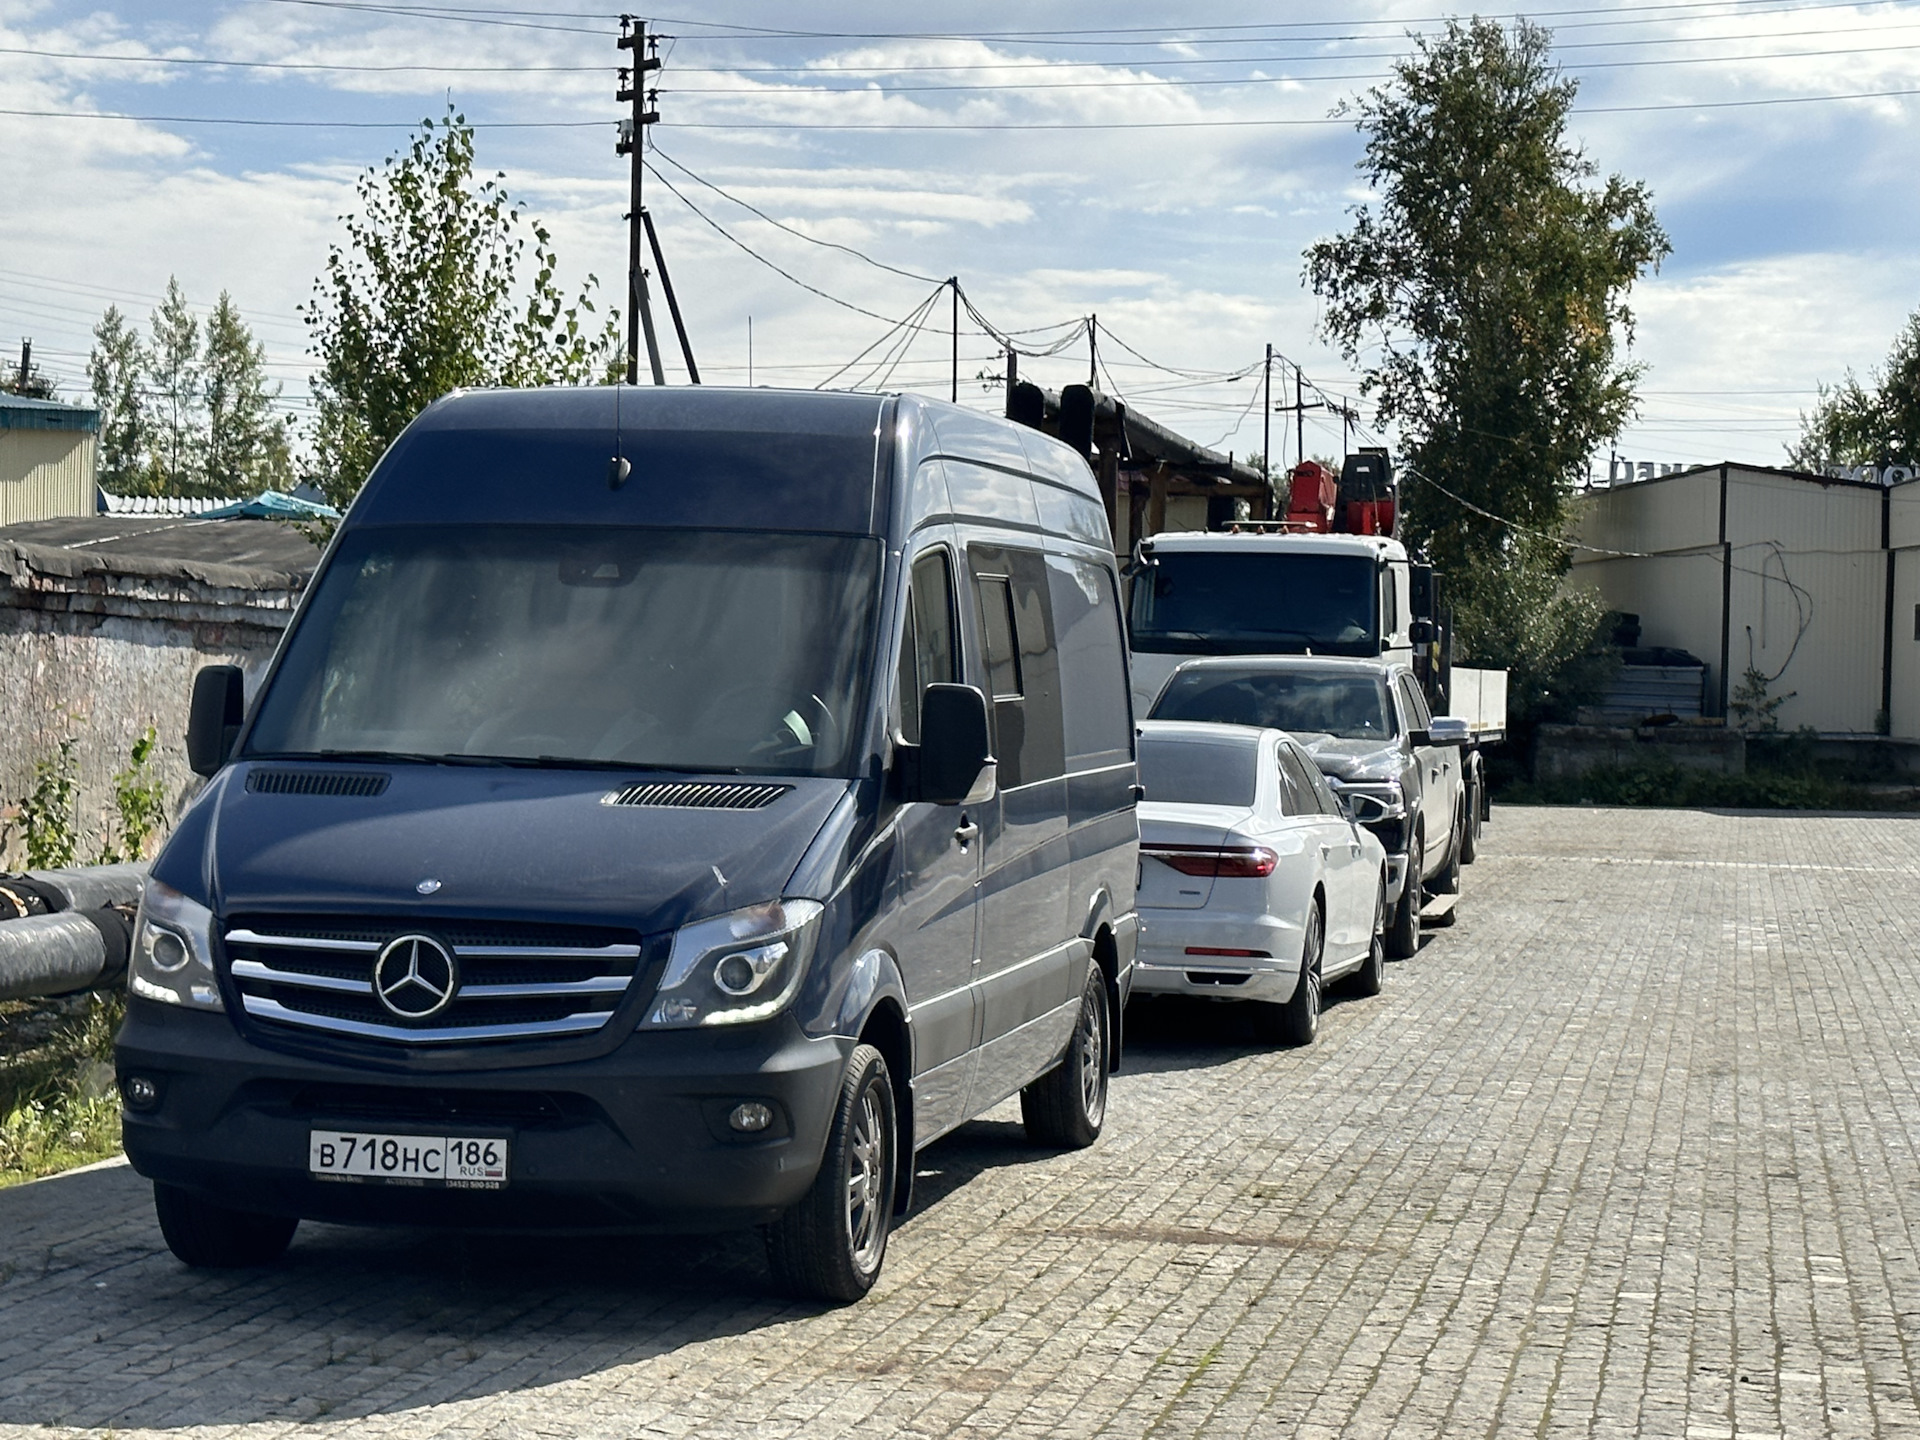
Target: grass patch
58, 1106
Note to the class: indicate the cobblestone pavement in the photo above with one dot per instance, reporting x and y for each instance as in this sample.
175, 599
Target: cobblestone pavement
1629, 1150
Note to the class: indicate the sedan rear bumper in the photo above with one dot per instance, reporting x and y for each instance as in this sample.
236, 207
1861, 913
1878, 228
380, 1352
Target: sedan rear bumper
1165, 965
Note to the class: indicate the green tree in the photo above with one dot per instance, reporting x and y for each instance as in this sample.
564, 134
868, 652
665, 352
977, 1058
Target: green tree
245, 448
431, 292
173, 379
115, 369
1855, 424
1484, 294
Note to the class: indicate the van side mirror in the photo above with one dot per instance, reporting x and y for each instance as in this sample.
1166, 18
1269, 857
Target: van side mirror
953, 764
213, 718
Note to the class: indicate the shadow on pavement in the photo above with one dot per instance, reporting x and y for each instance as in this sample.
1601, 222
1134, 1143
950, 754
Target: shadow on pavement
1176, 1032
100, 1326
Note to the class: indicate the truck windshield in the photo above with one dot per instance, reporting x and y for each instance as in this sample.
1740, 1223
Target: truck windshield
1268, 602
670, 649
1306, 702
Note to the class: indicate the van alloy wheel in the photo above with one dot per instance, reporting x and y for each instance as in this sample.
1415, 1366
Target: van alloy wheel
1067, 1106
829, 1245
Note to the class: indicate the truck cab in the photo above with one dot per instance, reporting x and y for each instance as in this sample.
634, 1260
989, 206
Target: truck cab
1212, 593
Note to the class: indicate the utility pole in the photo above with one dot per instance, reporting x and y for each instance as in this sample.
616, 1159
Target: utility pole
1266, 422
1299, 416
1093, 352
633, 36
26, 364
954, 282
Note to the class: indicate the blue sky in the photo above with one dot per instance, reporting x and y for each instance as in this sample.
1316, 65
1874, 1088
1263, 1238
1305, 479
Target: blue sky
1161, 166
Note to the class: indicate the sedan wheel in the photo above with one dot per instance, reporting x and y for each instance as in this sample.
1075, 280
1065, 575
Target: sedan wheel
1371, 977
1297, 1021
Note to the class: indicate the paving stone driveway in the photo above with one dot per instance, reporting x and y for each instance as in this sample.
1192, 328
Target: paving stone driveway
1629, 1150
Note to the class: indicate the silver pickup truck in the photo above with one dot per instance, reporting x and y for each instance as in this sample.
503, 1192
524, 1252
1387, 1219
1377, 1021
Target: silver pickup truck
1365, 723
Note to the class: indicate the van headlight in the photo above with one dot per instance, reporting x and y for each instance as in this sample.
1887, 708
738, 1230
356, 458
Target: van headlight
738, 967
172, 959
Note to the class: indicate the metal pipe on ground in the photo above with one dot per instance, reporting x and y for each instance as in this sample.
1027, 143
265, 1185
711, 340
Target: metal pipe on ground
63, 953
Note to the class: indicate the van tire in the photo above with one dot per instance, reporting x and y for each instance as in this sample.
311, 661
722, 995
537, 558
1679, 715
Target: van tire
1065, 1108
1296, 1020
213, 1237
830, 1244
1403, 935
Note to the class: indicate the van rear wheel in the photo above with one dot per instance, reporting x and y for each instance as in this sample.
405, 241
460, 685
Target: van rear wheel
829, 1245
1066, 1107
212, 1237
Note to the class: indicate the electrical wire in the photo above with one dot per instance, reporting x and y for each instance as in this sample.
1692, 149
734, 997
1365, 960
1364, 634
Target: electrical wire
914, 317
782, 225
300, 124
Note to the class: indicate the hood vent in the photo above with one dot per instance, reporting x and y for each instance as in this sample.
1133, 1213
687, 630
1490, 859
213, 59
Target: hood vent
685, 795
317, 782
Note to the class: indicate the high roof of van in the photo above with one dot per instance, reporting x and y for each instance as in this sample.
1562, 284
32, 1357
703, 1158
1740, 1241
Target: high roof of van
706, 456
1378, 546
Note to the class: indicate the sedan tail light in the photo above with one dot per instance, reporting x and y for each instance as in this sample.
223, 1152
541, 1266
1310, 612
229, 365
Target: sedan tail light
1217, 862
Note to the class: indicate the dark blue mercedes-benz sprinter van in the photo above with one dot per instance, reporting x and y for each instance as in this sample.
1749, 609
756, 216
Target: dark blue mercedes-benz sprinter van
668, 809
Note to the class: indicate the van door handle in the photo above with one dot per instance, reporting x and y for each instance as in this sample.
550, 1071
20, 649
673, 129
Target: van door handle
967, 833
1325, 851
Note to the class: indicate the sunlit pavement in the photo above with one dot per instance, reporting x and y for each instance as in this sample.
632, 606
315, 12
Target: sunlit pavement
1630, 1149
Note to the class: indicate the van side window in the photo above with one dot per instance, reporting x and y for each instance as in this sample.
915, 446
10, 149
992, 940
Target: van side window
1023, 668
929, 651
1096, 708
1003, 653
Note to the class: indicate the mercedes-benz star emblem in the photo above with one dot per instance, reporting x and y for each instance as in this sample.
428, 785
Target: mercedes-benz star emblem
415, 977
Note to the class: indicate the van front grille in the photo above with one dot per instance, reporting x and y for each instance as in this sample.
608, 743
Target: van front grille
512, 981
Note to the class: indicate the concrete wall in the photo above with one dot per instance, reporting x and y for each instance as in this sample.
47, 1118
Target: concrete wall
102, 662
45, 473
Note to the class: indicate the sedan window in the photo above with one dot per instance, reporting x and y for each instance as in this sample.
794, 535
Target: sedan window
1198, 772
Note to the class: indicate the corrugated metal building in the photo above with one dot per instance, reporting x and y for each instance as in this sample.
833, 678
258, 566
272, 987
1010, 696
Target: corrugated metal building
47, 459
1795, 575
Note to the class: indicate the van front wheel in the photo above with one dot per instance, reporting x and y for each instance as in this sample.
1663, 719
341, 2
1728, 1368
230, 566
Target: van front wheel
829, 1245
1066, 1107
212, 1237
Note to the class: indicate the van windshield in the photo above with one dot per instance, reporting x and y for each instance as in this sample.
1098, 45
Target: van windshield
1255, 602
697, 650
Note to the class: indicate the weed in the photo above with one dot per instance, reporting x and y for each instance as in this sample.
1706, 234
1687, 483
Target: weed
49, 812
51, 1118
139, 802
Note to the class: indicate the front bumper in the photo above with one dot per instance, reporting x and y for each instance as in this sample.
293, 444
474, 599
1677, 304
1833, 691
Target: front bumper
633, 1140
1163, 966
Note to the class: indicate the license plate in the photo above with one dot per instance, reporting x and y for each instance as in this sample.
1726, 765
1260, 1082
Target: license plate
459, 1161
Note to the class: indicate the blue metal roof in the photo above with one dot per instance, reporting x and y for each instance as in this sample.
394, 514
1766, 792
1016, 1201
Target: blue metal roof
19, 412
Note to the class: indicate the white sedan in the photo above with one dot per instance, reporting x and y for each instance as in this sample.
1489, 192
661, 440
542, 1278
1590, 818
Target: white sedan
1254, 883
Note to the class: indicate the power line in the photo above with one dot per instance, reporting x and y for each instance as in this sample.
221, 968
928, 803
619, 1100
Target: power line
791, 230
417, 12
104, 57
300, 124
972, 127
